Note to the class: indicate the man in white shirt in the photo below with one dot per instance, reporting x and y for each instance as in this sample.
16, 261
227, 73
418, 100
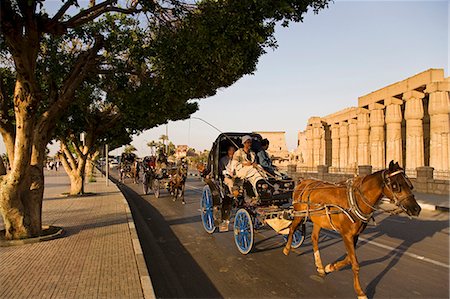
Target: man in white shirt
244, 163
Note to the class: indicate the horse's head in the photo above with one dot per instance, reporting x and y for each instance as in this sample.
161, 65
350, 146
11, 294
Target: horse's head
398, 188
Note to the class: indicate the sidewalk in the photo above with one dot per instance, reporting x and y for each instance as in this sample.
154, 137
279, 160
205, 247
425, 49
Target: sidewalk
433, 201
99, 256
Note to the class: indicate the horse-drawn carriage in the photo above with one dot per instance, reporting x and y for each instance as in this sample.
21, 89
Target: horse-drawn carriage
128, 167
163, 174
344, 207
253, 211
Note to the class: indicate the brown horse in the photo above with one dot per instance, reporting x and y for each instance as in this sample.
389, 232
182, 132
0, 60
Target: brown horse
346, 208
177, 184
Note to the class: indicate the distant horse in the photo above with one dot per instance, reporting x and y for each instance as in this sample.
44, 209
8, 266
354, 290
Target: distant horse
347, 208
177, 183
135, 169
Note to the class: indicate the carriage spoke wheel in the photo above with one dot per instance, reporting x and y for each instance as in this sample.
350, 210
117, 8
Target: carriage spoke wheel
156, 188
298, 237
243, 231
206, 208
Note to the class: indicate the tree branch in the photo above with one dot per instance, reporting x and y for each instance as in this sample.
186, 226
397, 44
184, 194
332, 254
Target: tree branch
84, 64
63, 10
68, 154
95, 11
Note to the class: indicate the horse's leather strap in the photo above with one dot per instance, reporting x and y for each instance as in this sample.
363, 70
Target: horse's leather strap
354, 208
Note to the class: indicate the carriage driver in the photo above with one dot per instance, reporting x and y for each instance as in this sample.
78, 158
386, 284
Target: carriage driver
244, 166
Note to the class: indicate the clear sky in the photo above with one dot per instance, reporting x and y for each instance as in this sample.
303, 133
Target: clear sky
321, 66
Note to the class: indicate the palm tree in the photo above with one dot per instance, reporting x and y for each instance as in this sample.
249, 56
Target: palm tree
164, 138
129, 149
152, 145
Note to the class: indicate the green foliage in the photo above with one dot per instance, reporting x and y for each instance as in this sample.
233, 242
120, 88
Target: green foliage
147, 69
129, 149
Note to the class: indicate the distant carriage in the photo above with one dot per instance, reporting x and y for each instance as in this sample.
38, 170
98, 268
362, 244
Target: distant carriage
129, 167
160, 174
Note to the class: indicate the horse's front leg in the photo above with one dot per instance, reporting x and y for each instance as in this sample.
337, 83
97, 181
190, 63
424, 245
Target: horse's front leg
182, 193
338, 265
295, 223
315, 243
349, 245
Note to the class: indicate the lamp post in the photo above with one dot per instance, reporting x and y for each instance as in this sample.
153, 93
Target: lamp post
107, 164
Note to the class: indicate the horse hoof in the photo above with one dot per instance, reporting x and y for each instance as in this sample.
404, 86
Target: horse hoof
321, 272
362, 297
184, 202
286, 251
328, 269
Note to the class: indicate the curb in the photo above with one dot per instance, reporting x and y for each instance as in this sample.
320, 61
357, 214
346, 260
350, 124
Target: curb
426, 206
146, 282
431, 207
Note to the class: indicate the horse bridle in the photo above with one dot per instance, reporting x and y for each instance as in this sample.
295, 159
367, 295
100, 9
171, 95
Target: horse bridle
388, 184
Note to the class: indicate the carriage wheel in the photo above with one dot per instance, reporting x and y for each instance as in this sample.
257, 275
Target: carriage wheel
299, 236
156, 188
243, 231
206, 208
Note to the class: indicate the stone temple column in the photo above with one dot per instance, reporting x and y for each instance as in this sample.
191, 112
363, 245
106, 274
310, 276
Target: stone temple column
352, 143
318, 135
343, 144
363, 126
393, 130
377, 158
335, 145
439, 110
309, 157
414, 129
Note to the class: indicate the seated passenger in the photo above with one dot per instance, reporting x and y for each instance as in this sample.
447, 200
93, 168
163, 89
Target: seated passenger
245, 166
225, 167
264, 159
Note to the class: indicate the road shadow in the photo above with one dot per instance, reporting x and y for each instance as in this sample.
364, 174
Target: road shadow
417, 231
186, 220
174, 272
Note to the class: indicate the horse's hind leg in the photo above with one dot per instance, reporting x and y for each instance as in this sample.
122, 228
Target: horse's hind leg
349, 244
315, 243
295, 223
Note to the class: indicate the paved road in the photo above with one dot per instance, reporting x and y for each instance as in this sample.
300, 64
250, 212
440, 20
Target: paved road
399, 257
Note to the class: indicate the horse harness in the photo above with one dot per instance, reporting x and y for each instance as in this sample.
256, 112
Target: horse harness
353, 212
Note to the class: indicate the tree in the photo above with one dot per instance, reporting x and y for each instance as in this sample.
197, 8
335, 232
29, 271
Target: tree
129, 149
152, 145
215, 43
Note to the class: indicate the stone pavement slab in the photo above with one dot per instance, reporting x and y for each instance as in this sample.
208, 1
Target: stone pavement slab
95, 259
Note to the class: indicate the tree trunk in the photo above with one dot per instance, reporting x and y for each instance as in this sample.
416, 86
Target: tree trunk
76, 183
90, 163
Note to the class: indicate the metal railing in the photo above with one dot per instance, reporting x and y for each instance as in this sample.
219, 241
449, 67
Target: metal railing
441, 175
339, 170
412, 173
307, 169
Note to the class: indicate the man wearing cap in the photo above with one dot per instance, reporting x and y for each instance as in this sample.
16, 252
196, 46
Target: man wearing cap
245, 166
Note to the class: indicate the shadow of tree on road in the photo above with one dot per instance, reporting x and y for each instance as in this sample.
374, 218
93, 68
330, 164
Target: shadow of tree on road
173, 270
